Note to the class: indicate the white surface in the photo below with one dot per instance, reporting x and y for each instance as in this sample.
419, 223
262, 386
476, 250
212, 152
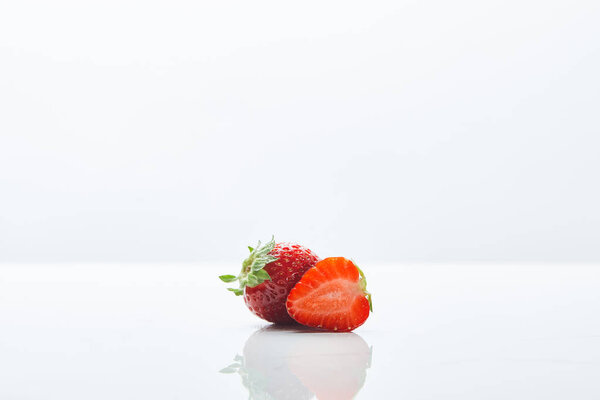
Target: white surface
150, 332
396, 130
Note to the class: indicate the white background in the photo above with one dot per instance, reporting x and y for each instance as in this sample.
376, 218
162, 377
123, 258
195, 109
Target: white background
144, 144
386, 131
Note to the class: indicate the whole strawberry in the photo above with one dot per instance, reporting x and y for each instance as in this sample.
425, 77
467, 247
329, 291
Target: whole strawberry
268, 275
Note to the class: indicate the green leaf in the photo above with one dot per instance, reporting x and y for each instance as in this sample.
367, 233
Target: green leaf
269, 259
258, 265
257, 259
363, 286
230, 369
262, 275
252, 280
236, 291
228, 278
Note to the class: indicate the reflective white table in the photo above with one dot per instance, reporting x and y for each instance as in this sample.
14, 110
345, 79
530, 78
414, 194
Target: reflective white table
135, 331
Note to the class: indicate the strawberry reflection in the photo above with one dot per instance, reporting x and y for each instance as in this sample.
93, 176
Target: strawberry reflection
296, 364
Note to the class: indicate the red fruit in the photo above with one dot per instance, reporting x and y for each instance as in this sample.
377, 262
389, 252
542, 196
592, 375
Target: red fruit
268, 275
332, 295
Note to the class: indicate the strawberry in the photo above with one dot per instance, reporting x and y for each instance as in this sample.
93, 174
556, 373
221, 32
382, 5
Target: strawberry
332, 295
268, 275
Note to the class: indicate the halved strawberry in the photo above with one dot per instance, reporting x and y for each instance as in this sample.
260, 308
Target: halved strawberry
331, 295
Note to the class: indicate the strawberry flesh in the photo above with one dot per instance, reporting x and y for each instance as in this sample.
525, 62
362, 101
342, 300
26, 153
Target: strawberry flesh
332, 295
